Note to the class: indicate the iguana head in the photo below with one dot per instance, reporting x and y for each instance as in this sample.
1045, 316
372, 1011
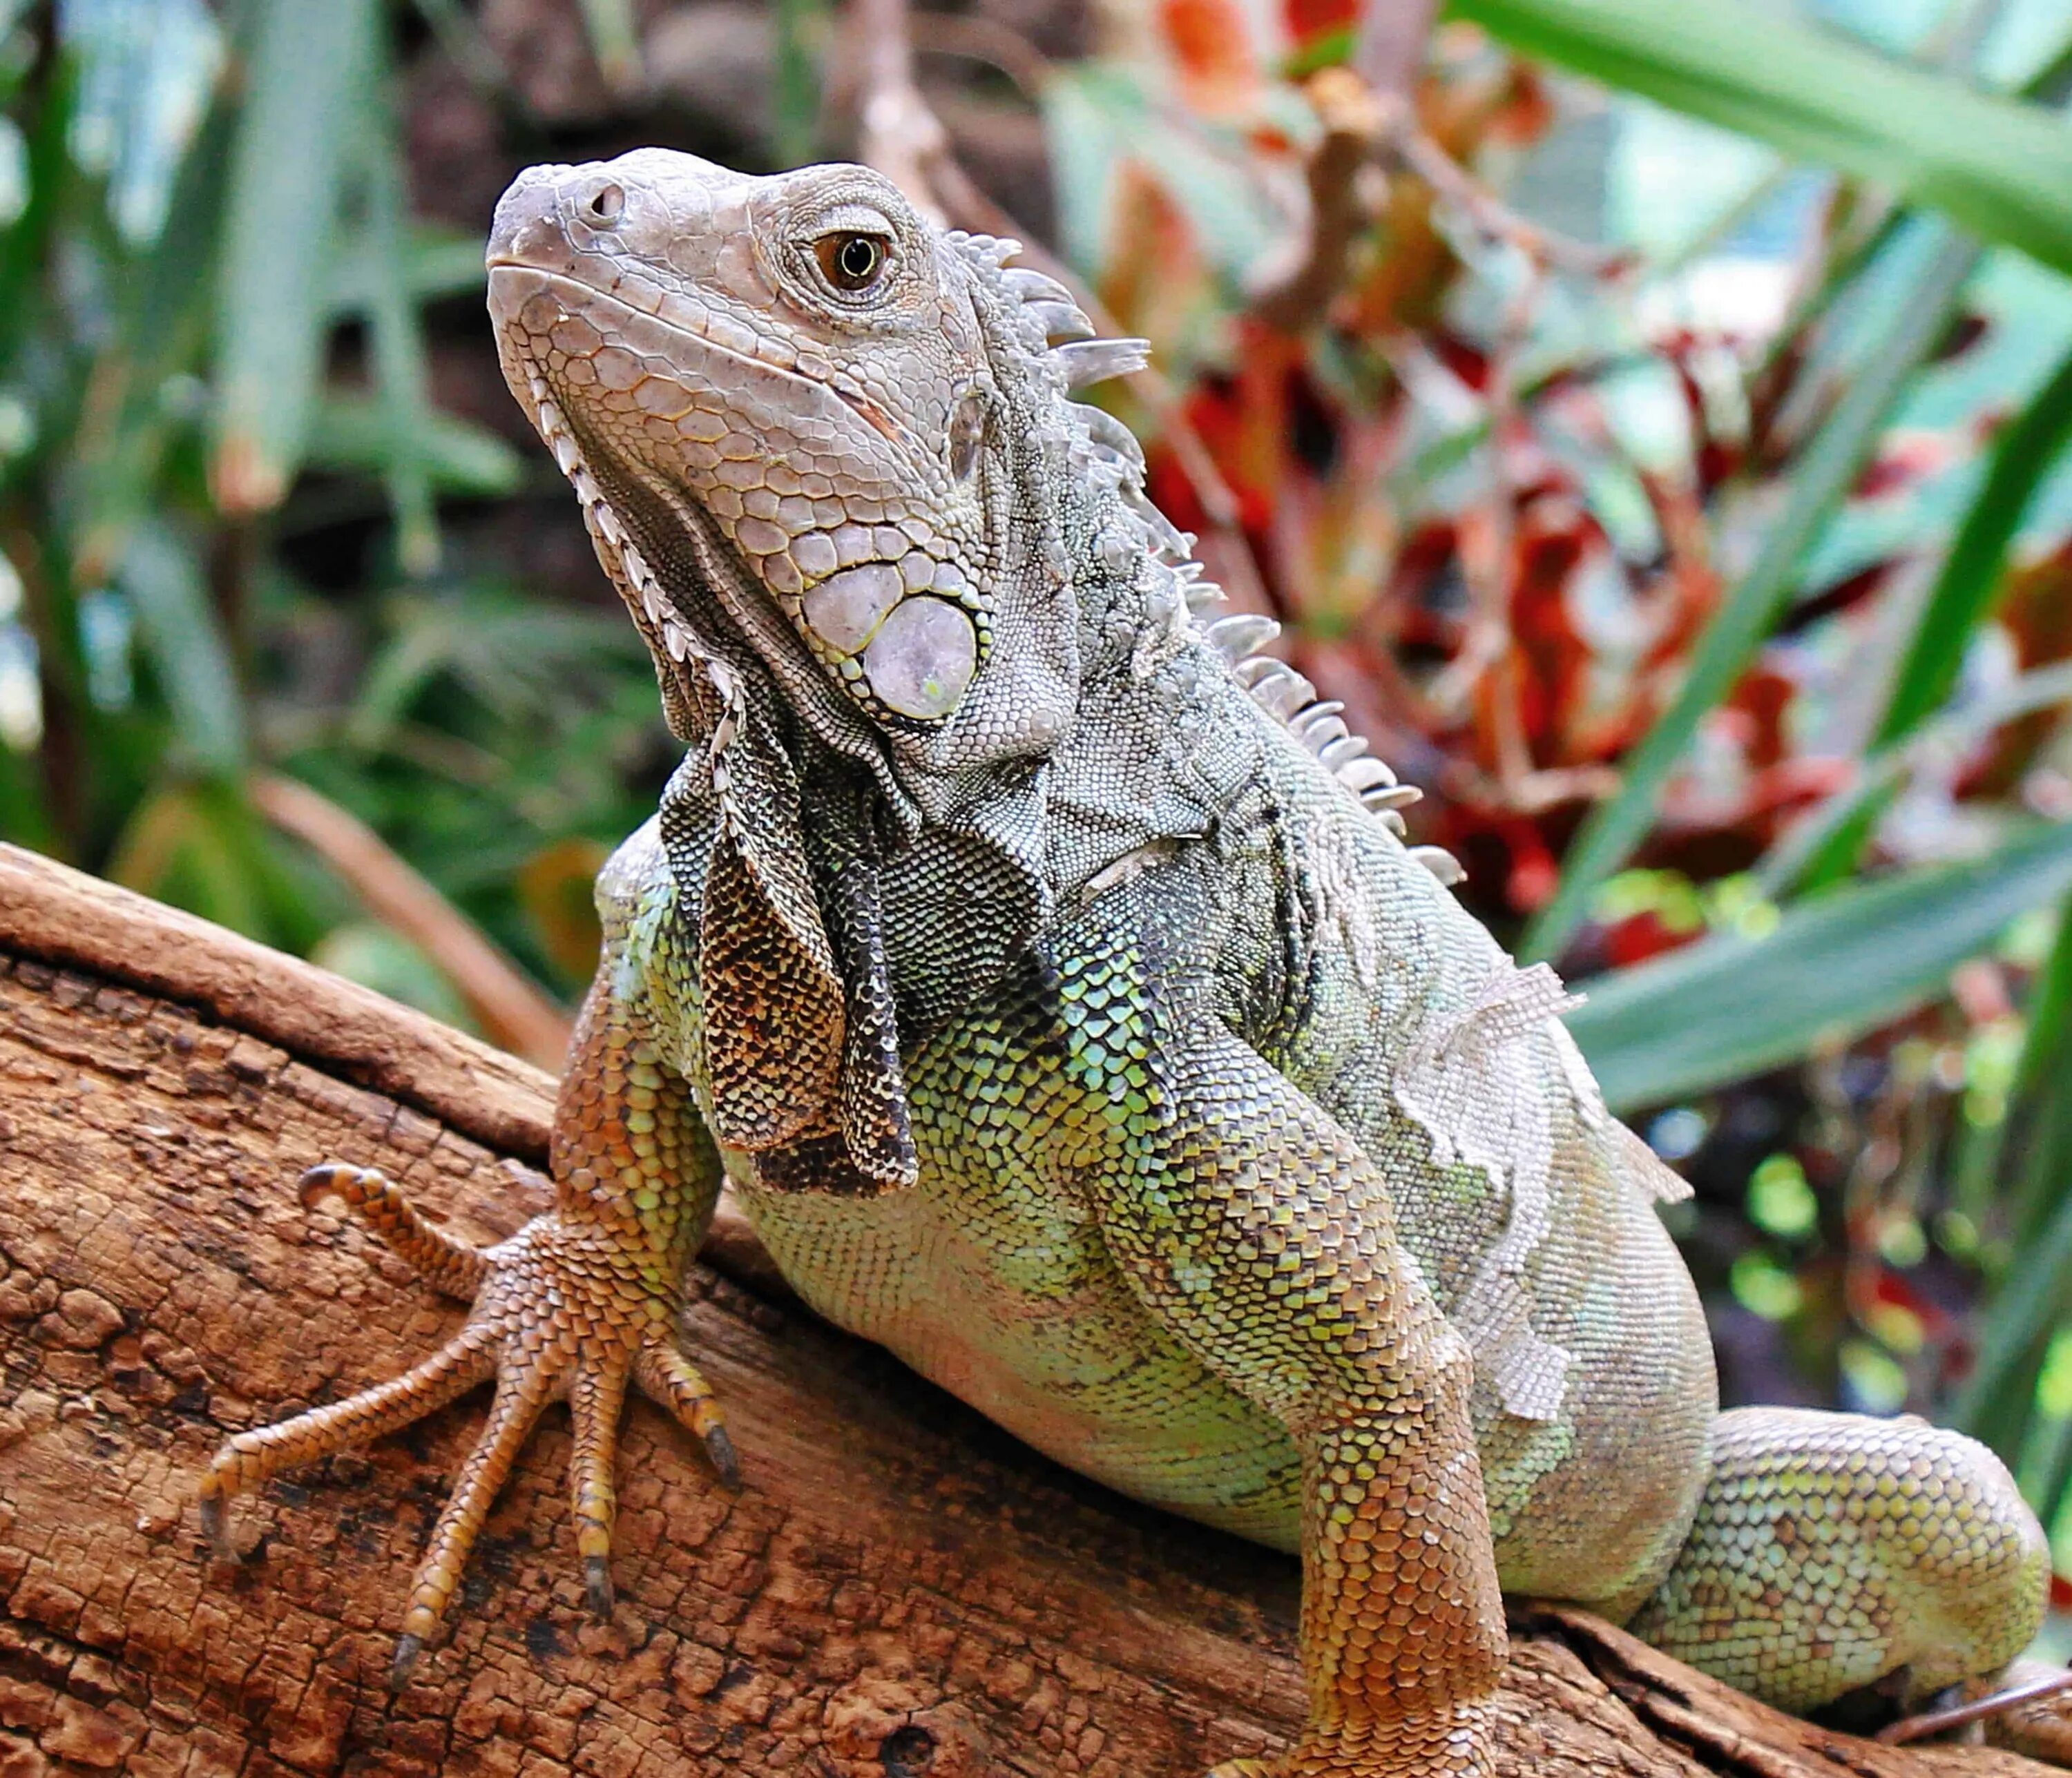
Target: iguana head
827, 452
812, 430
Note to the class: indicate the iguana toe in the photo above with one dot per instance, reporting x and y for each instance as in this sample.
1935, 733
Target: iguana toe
557, 1313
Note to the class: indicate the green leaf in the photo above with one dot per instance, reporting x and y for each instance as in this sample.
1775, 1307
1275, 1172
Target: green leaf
432, 263
1327, 49
1970, 582
179, 630
1821, 480
1082, 108
1101, 117
1996, 1399
461, 36
197, 846
1789, 863
615, 43
1995, 166
397, 336
26, 239
164, 318
309, 64
356, 432
1965, 592
1729, 1007
795, 98
2057, 1478
2029, 1303
375, 957
2047, 1036
514, 656
2034, 1125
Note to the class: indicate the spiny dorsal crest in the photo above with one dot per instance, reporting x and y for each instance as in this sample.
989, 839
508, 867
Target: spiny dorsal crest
1063, 342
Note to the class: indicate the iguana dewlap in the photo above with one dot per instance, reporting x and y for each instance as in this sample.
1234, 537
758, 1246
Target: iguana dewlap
1047, 973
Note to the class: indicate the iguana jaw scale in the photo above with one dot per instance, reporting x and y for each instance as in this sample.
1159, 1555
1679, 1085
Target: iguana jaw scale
695, 602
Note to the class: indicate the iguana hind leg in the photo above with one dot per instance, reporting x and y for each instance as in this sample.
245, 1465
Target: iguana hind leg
1832, 1552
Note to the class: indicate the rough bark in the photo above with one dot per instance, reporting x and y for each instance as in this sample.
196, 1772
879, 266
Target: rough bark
898, 1589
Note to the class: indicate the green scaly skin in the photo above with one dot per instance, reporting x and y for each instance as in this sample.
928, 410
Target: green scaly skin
1049, 981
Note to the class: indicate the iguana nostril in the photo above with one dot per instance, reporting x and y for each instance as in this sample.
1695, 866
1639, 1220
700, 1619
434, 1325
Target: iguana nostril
605, 205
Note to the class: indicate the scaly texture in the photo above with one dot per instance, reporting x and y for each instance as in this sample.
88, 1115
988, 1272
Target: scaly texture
1906, 1551
1046, 969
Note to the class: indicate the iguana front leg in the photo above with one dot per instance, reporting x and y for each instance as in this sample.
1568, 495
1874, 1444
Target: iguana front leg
1259, 1236
580, 1303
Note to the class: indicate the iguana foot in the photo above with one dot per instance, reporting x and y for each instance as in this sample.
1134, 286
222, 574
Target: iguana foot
567, 1307
1449, 1744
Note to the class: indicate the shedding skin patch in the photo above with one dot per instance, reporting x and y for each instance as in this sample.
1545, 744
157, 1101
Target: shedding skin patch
1471, 1079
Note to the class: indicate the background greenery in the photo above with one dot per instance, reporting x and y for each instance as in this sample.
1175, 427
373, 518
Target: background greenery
1662, 459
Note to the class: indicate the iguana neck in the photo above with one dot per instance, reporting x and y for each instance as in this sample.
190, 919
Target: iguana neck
1159, 748
972, 874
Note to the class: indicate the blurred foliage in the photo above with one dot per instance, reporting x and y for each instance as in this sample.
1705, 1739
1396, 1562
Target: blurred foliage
221, 483
1668, 475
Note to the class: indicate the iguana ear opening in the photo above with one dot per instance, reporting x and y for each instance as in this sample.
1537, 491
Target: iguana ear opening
801, 1043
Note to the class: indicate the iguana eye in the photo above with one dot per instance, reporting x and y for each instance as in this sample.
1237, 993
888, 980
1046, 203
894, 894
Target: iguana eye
852, 262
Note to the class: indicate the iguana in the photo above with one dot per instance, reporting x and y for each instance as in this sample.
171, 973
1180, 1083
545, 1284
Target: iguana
1046, 971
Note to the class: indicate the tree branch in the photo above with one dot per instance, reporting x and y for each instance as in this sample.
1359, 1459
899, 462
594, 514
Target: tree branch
899, 1589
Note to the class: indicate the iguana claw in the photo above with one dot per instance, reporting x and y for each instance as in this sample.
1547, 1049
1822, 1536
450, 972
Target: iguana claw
2028, 1684
216, 1527
558, 1313
597, 1587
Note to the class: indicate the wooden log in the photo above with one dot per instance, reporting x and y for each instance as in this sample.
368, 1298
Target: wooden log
898, 1589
